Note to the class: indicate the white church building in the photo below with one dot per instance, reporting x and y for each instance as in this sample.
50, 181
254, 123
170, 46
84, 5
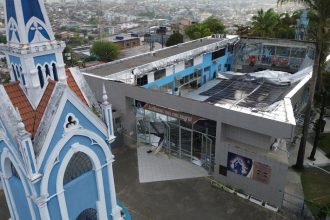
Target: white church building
55, 149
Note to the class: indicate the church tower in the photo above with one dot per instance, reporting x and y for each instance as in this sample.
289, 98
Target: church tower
33, 54
55, 152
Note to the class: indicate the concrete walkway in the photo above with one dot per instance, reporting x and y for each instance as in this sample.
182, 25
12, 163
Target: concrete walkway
159, 167
184, 199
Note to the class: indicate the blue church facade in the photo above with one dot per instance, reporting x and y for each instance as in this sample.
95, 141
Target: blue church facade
55, 152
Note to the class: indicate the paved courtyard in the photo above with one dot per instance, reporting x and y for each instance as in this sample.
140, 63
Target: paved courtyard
160, 167
193, 199
187, 199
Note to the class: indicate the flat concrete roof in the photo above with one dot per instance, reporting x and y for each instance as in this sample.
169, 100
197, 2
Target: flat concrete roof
128, 63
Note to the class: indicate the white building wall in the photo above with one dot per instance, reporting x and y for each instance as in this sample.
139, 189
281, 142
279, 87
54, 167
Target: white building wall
151, 77
179, 67
198, 60
248, 137
169, 70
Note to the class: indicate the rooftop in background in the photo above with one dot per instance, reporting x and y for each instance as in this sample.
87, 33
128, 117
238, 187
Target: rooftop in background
117, 66
262, 83
119, 38
144, 48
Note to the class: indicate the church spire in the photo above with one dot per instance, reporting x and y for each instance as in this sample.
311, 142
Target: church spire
33, 54
27, 22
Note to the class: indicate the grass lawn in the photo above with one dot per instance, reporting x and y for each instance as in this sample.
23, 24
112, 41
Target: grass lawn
325, 143
316, 186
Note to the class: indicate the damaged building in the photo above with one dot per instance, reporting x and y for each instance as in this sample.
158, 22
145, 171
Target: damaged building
227, 105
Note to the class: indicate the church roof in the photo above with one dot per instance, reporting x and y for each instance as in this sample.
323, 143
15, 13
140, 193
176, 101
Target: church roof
32, 117
43, 104
74, 86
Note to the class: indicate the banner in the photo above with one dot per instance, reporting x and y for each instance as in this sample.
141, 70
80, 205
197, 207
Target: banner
172, 113
247, 167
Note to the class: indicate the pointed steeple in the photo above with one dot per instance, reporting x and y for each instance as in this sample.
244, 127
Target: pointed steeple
33, 54
107, 115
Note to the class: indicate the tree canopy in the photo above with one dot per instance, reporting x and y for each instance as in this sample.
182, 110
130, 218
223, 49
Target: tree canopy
321, 11
212, 25
105, 50
271, 24
174, 39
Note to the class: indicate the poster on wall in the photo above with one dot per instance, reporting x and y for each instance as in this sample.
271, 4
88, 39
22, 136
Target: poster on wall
239, 164
247, 167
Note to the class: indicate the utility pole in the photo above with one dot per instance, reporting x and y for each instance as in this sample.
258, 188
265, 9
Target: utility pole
100, 19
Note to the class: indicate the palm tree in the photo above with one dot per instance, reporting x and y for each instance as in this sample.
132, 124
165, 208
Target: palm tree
286, 26
264, 23
321, 84
321, 8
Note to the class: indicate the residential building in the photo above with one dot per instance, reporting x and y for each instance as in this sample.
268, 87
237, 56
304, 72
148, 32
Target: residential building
124, 41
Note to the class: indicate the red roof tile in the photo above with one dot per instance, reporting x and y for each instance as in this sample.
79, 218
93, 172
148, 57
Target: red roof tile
43, 104
74, 86
30, 117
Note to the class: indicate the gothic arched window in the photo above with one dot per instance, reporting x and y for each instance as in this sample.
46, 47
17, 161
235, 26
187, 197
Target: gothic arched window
23, 79
47, 70
79, 164
55, 72
14, 71
90, 214
41, 77
18, 72
14, 171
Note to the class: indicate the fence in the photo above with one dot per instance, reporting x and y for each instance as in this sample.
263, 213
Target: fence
303, 208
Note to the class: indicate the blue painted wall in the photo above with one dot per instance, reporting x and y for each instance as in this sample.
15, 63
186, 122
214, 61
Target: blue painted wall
84, 189
20, 198
82, 183
14, 60
59, 131
10, 9
31, 8
41, 60
207, 62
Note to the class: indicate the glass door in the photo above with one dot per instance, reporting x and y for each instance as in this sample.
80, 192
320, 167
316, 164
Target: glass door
186, 143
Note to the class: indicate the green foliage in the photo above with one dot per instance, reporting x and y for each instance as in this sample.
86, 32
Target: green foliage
210, 26
77, 41
215, 25
90, 58
174, 39
69, 62
271, 24
5, 79
3, 39
316, 188
93, 21
242, 29
105, 50
321, 9
325, 143
95, 111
